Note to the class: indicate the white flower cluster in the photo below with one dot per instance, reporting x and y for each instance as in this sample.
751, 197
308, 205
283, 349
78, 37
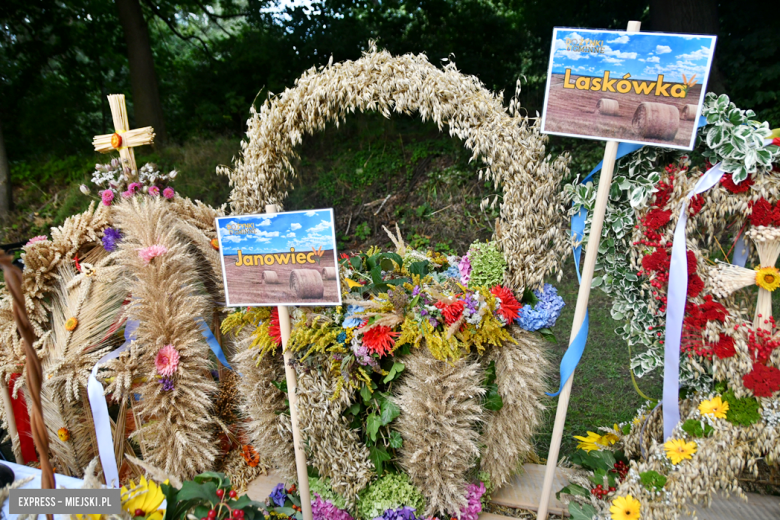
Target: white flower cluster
770, 411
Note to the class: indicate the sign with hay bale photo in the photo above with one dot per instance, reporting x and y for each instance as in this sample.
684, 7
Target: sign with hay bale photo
279, 259
643, 88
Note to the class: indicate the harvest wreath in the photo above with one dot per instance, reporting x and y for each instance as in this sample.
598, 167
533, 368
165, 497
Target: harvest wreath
730, 363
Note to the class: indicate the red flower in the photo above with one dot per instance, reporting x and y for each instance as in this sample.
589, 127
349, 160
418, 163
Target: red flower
776, 141
696, 204
657, 261
451, 312
763, 380
762, 213
273, 329
728, 182
725, 347
691, 257
657, 218
380, 340
695, 285
713, 311
663, 194
509, 307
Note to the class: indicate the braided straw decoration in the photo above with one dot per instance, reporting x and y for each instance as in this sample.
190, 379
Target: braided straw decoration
13, 280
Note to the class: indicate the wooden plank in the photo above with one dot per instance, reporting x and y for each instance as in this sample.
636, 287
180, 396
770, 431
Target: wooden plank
491, 516
758, 507
261, 487
524, 490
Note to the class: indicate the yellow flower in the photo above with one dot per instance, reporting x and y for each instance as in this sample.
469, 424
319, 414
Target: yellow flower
351, 283
71, 324
677, 450
63, 434
768, 278
715, 406
146, 497
88, 517
594, 441
625, 508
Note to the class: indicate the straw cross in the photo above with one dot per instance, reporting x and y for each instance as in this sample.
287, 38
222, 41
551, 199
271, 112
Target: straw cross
728, 278
123, 139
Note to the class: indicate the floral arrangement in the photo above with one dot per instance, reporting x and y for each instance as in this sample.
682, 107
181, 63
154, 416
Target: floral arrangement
113, 180
730, 360
414, 324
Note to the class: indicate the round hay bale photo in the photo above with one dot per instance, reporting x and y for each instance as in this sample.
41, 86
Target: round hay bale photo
689, 112
306, 283
656, 120
328, 273
270, 277
608, 107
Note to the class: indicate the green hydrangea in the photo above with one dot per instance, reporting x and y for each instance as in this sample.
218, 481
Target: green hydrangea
321, 486
487, 265
484, 477
391, 491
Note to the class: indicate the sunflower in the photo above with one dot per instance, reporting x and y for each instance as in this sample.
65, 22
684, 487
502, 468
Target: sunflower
63, 434
714, 406
677, 450
594, 441
71, 324
768, 278
143, 499
625, 508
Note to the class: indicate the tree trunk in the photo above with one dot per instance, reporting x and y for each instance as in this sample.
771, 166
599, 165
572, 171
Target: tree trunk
689, 16
143, 79
5, 180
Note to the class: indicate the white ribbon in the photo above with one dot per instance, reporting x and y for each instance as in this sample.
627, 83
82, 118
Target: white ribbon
97, 401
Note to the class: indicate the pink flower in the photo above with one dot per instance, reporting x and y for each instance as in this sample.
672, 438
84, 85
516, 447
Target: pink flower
168, 193
147, 253
154, 191
167, 360
127, 194
33, 240
134, 186
107, 196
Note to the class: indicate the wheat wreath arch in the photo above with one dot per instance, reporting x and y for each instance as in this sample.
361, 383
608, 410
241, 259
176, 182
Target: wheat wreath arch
531, 224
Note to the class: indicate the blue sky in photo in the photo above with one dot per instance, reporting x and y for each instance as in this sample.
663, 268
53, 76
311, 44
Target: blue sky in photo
279, 232
643, 55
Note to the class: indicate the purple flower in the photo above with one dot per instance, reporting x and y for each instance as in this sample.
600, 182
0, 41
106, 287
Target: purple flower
474, 506
168, 193
326, 510
423, 312
110, 237
464, 266
154, 191
279, 494
402, 513
416, 290
167, 384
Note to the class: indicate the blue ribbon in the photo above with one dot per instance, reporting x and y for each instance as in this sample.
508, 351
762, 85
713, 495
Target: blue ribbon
574, 353
216, 348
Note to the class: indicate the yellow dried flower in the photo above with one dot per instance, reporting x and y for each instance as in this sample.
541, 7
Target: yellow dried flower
715, 406
625, 508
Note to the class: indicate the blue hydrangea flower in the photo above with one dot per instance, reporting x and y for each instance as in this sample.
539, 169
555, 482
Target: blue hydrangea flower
452, 272
279, 495
350, 320
546, 311
342, 337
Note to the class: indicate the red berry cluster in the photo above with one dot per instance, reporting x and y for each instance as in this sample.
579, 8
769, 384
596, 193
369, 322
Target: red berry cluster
223, 510
601, 492
621, 468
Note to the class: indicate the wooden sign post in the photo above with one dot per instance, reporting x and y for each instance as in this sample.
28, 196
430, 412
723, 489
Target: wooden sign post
292, 385
602, 197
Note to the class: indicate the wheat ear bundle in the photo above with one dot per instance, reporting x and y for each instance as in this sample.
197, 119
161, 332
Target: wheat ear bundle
440, 409
520, 376
177, 427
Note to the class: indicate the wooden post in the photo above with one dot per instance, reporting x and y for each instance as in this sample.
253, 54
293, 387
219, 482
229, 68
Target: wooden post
11, 420
292, 385
602, 197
